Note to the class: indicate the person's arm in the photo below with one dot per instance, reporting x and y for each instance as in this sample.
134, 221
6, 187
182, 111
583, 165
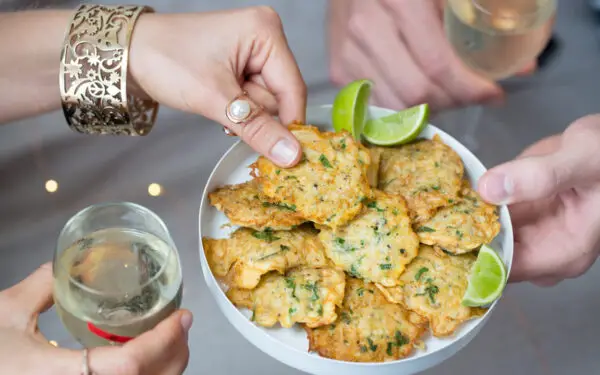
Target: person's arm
31, 43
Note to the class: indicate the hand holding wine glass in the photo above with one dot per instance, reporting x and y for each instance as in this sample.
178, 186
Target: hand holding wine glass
496, 39
401, 46
499, 38
25, 351
116, 274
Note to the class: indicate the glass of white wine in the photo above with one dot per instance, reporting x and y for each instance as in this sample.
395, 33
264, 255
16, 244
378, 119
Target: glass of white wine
117, 274
497, 38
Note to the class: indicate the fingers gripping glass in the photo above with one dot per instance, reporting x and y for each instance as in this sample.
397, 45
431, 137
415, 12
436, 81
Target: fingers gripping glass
497, 39
117, 274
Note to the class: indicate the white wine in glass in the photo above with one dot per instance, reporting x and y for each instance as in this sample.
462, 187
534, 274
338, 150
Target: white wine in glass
498, 38
116, 274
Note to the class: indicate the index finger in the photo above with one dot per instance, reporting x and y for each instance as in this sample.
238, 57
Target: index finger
418, 21
282, 76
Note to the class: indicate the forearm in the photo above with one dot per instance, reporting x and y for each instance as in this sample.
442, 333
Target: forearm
31, 44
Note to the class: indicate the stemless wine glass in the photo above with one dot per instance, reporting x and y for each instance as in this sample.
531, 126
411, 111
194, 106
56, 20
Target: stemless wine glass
117, 273
497, 39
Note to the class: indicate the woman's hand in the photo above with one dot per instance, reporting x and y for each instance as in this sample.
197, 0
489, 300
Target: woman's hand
553, 190
199, 62
401, 46
25, 351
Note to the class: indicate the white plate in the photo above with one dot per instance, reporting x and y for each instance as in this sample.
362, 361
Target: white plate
290, 346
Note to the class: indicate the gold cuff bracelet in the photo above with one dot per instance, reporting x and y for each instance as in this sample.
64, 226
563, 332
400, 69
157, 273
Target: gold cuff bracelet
93, 73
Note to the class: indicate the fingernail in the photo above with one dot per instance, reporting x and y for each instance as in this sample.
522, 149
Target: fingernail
186, 321
284, 152
497, 188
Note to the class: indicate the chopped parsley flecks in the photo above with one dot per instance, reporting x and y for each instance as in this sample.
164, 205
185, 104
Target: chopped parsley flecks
312, 287
372, 345
389, 349
430, 291
282, 248
354, 271
385, 266
373, 205
292, 310
425, 229
291, 284
400, 339
420, 273
283, 206
342, 245
323, 159
265, 235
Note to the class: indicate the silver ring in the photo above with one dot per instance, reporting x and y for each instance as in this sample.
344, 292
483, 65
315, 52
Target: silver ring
85, 368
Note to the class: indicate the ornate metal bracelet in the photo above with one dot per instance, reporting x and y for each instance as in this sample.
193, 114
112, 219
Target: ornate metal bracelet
93, 73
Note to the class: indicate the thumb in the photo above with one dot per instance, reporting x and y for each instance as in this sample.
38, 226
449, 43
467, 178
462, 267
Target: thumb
169, 333
529, 179
163, 347
571, 163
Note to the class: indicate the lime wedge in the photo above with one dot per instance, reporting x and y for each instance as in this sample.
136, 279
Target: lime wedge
487, 279
350, 107
398, 128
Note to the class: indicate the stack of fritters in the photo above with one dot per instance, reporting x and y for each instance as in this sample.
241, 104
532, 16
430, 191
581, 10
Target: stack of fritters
365, 247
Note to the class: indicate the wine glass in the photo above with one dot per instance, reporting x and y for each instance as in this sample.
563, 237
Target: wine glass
117, 274
497, 39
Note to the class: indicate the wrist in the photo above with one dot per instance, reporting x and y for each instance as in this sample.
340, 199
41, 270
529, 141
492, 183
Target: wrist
144, 33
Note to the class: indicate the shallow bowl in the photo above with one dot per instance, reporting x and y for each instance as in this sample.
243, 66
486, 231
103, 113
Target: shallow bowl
290, 346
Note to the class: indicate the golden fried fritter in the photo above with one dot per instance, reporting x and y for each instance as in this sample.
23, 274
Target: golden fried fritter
369, 328
462, 227
373, 170
377, 244
246, 206
433, 286
242, 259
328, 186
427, 173
303, 295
